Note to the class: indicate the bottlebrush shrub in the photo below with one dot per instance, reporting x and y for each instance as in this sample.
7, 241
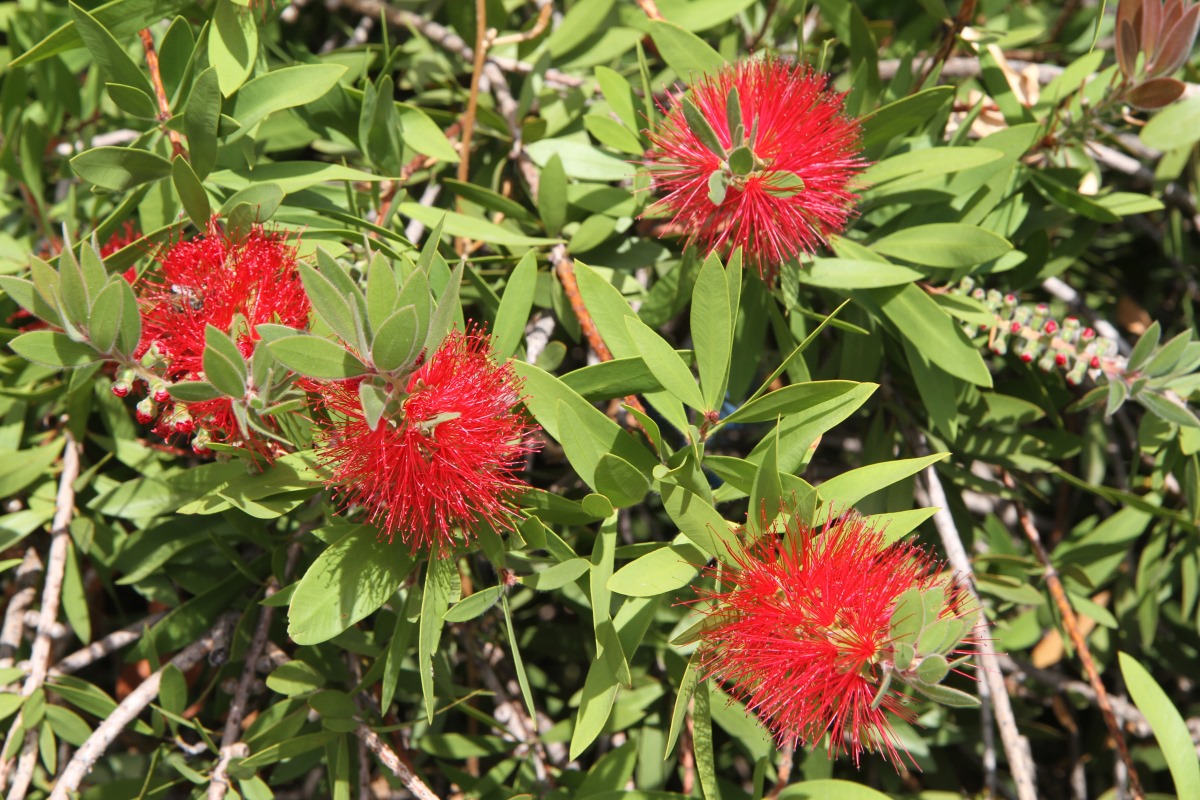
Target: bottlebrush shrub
489, 393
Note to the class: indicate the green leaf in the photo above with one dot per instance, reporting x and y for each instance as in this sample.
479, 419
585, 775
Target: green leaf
595, 705
925, 163
515, 305
232, 44
54, 349
619, 481
846, 273
121, 17
1170, 731
442, 587
295, 677
424, 135
827, 789
702, 742
580, 160
901, 116
544, 392
282, 88
132, 101
1174, 128
932, 331
224, 365
703, 130
191, 192
201, 120
557, 576
552, 195
663, 570
474, 605
456, 224
120, 168
109, 53
849, 487
619, 94
330, 301
1145, 347
1168, 410
316, 357
685, 52
947, 696
766, 494
612, 133
352, 578
947, 245
104, 323
791, 400
700, 522
712, 319
399, 341
581, 23
668, 367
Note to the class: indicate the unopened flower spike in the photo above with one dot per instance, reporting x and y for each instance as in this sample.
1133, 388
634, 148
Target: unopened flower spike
818, 630
759, 156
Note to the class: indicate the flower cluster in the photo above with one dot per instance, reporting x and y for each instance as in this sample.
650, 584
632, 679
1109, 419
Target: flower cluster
758, 156
231, 283
812, 627
443, 460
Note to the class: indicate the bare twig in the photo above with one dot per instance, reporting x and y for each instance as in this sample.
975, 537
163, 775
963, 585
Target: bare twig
135, 702
14, 617
539, 26
104, 647
160, 92
1016, 747
39, 659
1071, 623
393, 762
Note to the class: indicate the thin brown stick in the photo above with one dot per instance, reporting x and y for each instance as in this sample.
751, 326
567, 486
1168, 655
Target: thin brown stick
393, 762
468, 117
564, 268
104, 647
539, 26
39, 659
461, 244
160, 91
1071, 623
134, 703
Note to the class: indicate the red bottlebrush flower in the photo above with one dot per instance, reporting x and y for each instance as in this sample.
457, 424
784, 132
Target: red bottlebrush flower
782, 185
446, 456
213, 279
801, 631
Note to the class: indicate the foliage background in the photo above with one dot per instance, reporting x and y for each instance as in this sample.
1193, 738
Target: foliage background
548, 662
